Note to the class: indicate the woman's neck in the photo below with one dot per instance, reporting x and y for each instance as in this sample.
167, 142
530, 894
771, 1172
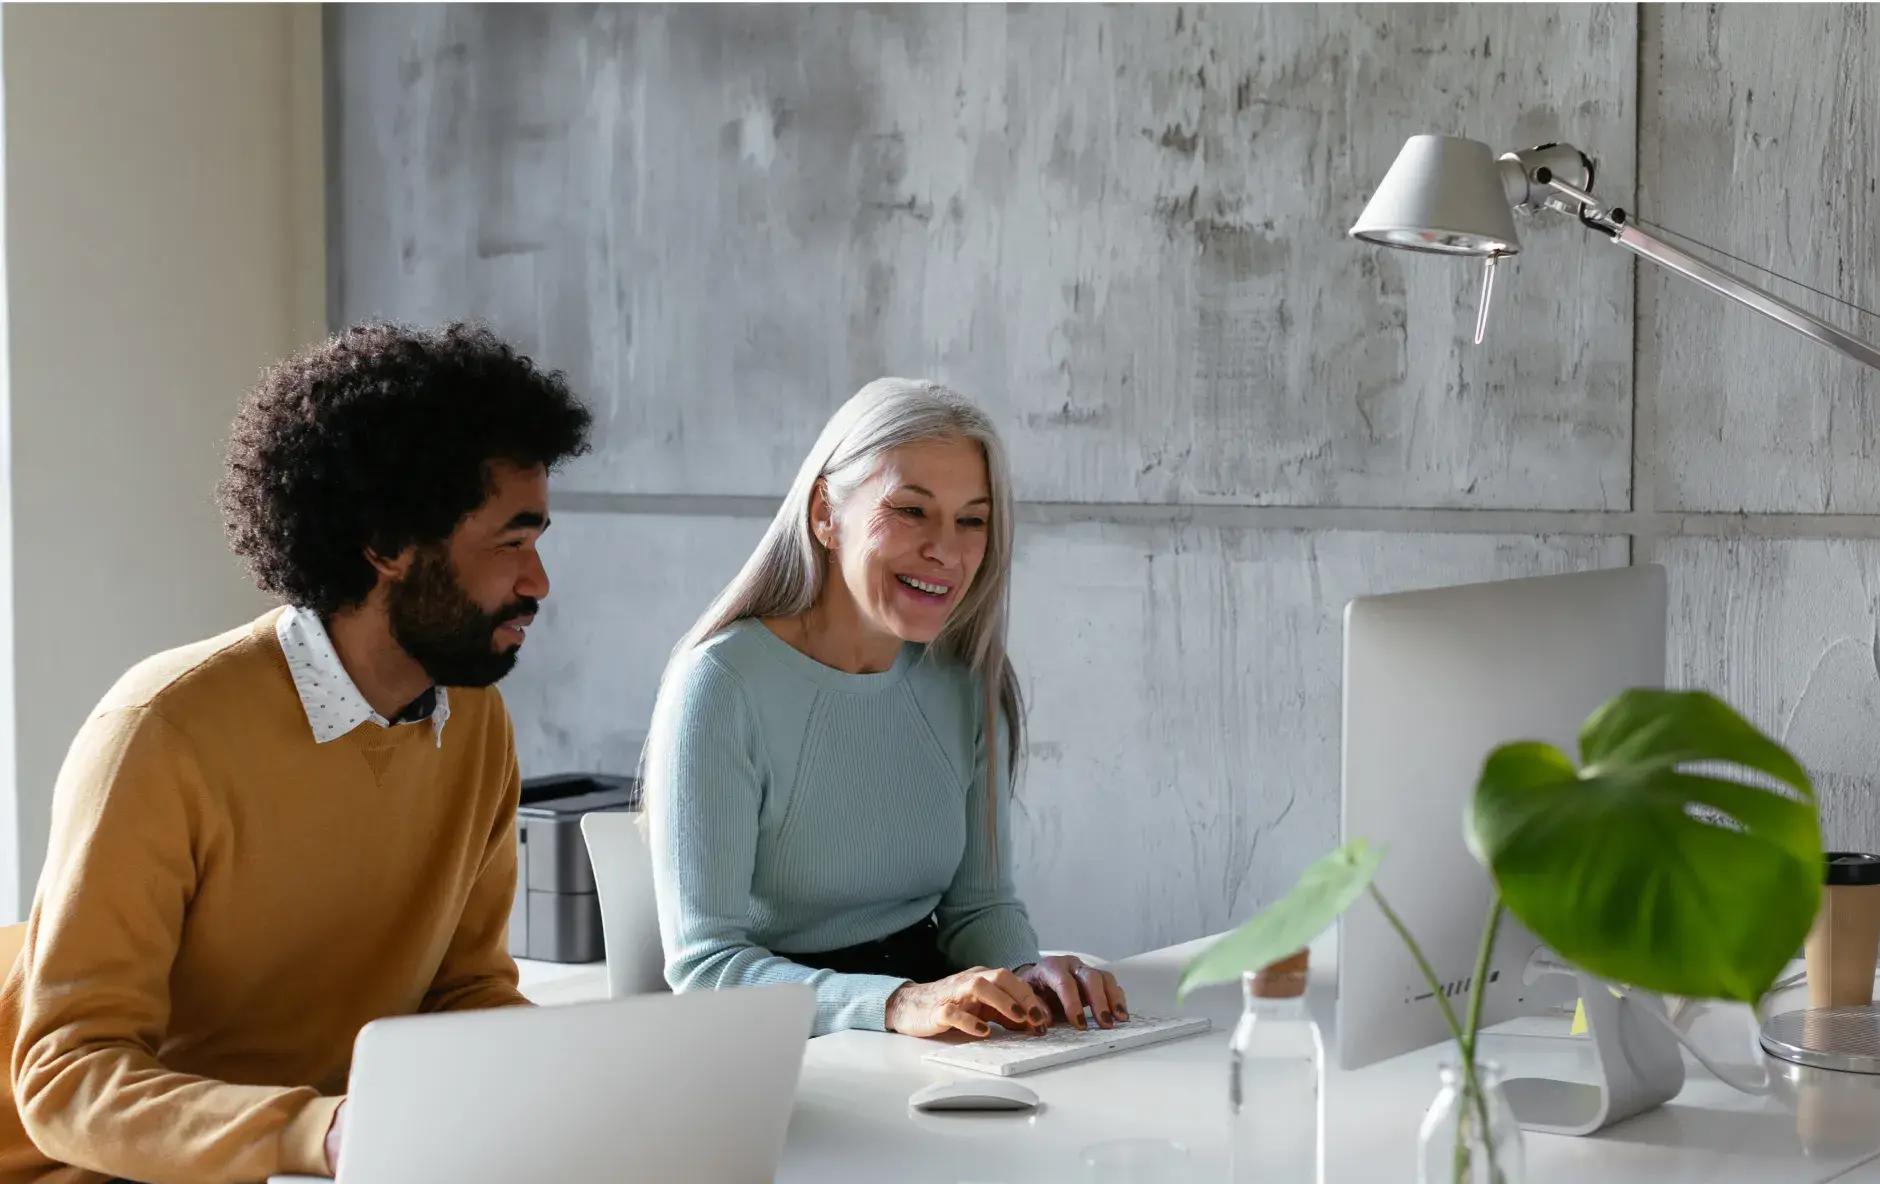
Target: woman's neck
834, 633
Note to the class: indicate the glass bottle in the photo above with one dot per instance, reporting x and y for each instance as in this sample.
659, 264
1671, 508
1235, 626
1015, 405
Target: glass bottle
1277, 1090
1469, 1141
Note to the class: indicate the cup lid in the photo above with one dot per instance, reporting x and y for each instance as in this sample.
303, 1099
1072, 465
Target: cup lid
1849, 868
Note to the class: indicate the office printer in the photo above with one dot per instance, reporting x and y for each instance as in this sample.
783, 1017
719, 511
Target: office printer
557, 914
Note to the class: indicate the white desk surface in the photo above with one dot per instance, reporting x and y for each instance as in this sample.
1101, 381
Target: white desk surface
852, 1123
546, 983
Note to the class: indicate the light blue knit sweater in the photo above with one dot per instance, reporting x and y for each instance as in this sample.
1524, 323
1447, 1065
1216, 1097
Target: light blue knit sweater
796, 807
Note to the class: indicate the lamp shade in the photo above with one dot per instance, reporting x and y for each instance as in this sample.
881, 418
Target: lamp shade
1444, 194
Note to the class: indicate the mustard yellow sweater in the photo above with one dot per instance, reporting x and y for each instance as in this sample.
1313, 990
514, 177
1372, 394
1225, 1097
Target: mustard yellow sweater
225, 903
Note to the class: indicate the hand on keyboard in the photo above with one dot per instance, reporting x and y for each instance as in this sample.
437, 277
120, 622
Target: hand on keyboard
967, 1002
1072, 987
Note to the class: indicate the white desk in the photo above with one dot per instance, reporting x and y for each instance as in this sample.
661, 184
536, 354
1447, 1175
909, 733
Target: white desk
852, 1124
546, 983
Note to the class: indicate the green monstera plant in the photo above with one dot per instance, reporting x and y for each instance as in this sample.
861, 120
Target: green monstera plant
1682, 855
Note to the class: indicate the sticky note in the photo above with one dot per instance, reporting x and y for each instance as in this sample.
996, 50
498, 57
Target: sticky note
1579, 1012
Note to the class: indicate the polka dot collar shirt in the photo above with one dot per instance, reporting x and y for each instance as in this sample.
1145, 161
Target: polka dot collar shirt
332, 700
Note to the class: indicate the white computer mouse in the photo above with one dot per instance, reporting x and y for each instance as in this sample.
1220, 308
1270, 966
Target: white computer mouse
989, 1093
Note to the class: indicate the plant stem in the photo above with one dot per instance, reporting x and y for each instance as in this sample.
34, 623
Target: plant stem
1429, 975
1464, 1044
1482, 958
1474, 1029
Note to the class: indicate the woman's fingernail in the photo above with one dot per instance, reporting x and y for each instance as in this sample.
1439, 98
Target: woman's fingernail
1108, 1018
1037, 1013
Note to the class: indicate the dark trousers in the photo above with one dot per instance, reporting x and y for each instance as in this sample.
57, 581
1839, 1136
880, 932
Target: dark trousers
914, 953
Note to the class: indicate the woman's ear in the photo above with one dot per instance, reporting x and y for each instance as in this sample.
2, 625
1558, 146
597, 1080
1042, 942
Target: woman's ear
822, 518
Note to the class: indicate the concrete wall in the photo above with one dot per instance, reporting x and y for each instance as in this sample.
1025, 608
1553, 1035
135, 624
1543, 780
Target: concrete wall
1122, 229
164, 242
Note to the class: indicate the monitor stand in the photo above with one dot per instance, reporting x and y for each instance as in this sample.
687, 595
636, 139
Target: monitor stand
1636, 1060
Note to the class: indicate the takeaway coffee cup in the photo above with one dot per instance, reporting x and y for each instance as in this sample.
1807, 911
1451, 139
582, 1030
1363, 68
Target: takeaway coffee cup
1845, 938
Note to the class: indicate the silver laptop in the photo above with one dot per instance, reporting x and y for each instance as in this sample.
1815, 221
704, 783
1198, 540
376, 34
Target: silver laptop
685, 1089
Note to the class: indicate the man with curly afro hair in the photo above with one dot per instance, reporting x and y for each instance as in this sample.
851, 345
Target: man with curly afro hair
266, 840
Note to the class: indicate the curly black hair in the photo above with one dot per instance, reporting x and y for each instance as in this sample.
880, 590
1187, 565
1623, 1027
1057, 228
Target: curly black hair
381, 437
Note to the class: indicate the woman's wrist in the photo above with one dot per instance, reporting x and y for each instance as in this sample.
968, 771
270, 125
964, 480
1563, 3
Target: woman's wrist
891, 1010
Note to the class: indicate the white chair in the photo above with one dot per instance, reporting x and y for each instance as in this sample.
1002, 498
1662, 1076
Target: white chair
623, 878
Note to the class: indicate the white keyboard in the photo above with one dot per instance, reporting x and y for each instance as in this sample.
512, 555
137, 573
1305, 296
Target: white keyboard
1008, 1054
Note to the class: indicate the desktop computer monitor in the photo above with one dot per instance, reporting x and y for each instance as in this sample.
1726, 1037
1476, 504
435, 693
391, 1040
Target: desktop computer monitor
1434, 681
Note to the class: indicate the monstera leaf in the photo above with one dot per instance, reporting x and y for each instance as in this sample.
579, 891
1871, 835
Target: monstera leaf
1288, 925
1657, 863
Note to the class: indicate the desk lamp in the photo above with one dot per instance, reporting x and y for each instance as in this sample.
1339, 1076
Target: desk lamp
1448, 195
1452, 196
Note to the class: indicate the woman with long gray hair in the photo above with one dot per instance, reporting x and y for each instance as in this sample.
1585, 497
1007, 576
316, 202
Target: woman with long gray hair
829, 768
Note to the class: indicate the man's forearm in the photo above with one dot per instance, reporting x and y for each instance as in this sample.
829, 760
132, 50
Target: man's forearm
478, 995
118, 1111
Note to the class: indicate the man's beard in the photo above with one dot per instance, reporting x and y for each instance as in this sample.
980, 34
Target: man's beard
435, 621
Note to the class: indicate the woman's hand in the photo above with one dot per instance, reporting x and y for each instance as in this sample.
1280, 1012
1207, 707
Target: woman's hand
1070, 986
965, 1002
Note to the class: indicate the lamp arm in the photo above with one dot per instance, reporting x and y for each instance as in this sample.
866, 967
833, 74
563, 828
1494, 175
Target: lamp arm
1613, 224
1744, 292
